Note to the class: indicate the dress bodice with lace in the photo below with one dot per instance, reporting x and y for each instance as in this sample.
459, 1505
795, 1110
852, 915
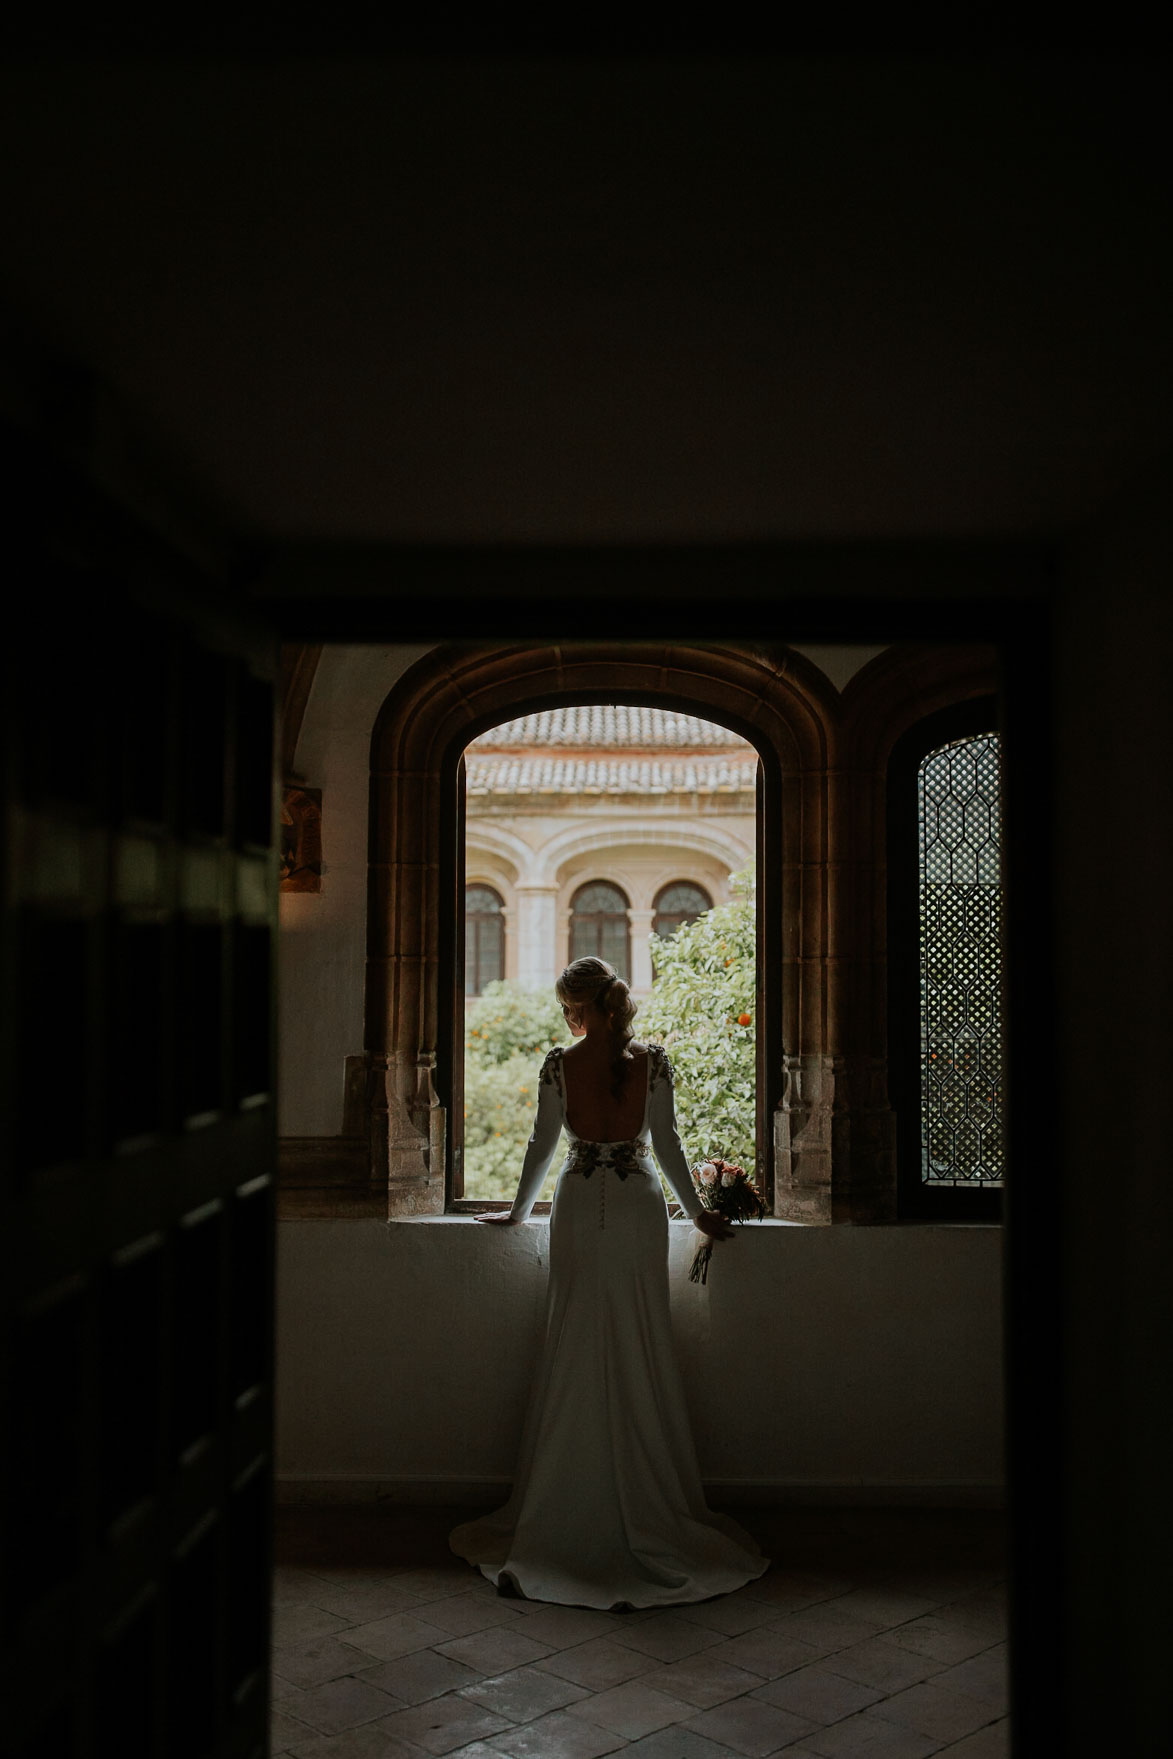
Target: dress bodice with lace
657, 1131
607, 1507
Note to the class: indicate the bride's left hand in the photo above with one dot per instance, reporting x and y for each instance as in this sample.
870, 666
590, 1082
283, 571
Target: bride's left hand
501, 1218
712, 1225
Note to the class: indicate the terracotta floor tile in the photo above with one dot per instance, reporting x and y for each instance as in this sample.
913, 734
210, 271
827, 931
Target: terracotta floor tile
829, 1629
284, 1731
931, 1710
732, 1614
863, 1657
819, 1695
750, 1727
776, 1650
397, 1634
944, 1641
434, 1581
983, 1613
344, 1703
880, 1662
884, 1607
292, 1585
475, 1750
983, 1676
442, 1724
992, 1742
283, 1692
671, 1638
497, 1651
298, 1623
356, 1743
599, 1664
462, 1614
940, 1586
524, 1694
679, 1743
703, 1681
360, 1603
866, 1736
419, 1676
312, 1663
790, 1590
631, 1710
563, 1626
557, 1736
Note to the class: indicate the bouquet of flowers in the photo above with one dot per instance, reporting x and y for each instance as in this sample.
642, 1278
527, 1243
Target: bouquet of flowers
727, 1188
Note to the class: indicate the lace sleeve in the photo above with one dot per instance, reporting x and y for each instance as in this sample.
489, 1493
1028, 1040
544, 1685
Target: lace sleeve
543, 1142
665, 1137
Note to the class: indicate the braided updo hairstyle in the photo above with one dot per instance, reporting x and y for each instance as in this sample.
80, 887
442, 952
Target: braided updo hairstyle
593, 980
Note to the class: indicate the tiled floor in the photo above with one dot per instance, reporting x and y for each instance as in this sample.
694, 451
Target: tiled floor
877, 1633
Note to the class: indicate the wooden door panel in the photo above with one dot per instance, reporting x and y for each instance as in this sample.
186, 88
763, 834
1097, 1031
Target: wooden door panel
138, 1197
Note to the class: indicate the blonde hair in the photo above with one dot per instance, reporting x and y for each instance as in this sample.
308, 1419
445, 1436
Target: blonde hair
593, 980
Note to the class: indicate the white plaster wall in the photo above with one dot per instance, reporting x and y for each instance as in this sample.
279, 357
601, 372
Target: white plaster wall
322, 949
823, 1357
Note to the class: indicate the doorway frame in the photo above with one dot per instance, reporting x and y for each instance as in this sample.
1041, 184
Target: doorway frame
812, 593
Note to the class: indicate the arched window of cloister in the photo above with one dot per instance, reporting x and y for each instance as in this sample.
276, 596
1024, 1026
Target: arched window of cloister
676, 904
484, 939
600, 927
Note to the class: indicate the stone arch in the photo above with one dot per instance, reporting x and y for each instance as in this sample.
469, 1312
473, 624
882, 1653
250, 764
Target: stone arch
508, 848
773, 697
574, 841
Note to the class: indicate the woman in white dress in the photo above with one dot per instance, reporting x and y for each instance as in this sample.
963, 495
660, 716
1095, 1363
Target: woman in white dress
607, 1509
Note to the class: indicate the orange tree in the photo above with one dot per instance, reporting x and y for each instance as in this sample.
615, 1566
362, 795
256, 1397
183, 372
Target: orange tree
702, 1010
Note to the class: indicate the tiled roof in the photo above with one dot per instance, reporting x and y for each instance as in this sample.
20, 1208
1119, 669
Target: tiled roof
605, 725
570, 775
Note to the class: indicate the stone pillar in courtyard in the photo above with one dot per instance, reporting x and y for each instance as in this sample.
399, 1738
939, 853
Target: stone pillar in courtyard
641, 952
537, 951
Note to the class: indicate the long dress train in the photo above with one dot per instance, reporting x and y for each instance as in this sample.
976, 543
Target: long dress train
607, 1508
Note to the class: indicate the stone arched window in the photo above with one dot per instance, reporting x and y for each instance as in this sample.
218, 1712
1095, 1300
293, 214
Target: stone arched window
675, 904
945, 963
600, 927
809, 1070
484, 938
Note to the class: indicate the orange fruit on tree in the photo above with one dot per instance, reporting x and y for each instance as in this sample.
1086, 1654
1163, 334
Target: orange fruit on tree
744, 1019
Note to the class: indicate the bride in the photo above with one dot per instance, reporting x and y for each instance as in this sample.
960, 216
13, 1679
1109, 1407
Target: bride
607, 1509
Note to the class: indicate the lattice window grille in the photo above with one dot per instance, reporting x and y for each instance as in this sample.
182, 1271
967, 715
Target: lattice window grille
959, 820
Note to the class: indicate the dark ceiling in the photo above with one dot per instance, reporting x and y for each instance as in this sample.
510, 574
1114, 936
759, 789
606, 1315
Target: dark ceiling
558, 300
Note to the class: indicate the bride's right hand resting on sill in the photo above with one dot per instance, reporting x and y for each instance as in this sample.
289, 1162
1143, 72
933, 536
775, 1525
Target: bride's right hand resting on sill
501, 1217
712, 1225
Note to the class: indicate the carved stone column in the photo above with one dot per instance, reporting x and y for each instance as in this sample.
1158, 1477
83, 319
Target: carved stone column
537, 951
804, 1145
415, 1138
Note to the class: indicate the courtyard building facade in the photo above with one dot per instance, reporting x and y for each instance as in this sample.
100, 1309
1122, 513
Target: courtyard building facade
591, 828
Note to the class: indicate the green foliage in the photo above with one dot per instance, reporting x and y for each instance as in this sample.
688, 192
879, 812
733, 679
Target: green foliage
507, 1019
705, 979
508, 1031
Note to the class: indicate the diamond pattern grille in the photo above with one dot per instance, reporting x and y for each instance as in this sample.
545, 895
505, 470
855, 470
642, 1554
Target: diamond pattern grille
960, 964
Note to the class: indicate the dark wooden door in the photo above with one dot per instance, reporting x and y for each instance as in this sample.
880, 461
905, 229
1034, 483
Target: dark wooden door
138, 1164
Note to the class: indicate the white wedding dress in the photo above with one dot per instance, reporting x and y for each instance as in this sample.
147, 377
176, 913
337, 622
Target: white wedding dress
607, 1508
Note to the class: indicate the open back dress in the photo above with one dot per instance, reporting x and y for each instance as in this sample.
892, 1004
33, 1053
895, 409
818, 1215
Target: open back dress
607, 1508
